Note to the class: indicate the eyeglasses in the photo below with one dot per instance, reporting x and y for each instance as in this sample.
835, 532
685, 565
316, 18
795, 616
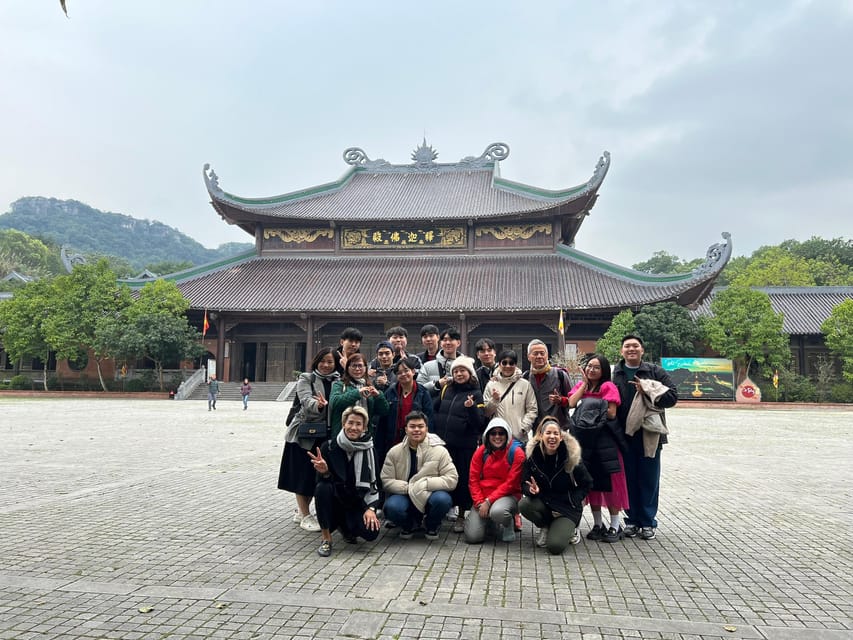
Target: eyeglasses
497, 432
507, 363
356, 366
593, 367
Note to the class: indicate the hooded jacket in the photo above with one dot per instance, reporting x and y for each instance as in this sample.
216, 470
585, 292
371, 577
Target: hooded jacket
516, 405
436, 471
564, 487
491, 476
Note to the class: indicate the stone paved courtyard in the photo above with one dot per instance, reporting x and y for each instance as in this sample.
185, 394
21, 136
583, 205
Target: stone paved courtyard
158, 519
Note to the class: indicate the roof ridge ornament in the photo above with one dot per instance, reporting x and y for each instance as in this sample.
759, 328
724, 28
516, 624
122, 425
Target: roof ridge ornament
495, 152
718, 252
424, 155
356, 157
211, 179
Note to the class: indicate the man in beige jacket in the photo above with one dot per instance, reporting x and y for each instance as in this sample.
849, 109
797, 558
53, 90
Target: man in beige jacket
417, 477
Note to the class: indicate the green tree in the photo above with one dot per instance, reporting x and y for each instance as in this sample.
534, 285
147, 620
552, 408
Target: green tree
83, 298
775, 267
154, 327
22, 322
838, 329
610, 344
165, 267
663, 262
666, 329
24, 253
160, 296
816, 248
745, 329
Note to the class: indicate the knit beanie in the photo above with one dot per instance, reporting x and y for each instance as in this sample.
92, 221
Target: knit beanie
468, 363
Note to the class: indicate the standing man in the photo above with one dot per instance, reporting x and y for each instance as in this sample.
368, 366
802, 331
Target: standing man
485, 351
212, 392
550, 384
429, 338
435, 374
418, 476
641, 473
399, 339
350, 343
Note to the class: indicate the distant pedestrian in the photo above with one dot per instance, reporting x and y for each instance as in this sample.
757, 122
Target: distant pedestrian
245, 390
212, 392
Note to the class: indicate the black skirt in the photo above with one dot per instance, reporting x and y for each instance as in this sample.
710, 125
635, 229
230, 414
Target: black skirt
297, 473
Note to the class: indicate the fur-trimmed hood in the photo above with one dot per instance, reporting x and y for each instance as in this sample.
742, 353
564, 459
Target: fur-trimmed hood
572, 447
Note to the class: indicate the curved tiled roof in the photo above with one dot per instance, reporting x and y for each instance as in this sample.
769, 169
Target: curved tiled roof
428, 191
803, 309
434, 283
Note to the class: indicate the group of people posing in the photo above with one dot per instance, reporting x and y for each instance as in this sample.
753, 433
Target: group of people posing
417, 439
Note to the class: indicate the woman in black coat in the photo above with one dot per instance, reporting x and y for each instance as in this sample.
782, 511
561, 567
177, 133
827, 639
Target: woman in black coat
555, 483
459, 416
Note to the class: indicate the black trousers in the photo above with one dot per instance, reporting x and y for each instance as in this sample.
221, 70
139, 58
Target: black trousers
333, 514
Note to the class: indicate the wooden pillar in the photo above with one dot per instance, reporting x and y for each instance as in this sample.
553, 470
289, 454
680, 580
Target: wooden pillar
222, 372
309, 341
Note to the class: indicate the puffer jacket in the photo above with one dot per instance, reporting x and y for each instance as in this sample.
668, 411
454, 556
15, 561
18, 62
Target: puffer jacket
518, 407
491, 476
563, 489
436, 471
456, 424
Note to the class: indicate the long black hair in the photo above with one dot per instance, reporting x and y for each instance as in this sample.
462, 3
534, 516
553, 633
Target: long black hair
606, 374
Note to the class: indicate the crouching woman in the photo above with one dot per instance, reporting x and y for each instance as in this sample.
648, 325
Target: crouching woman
555, 485
346, 496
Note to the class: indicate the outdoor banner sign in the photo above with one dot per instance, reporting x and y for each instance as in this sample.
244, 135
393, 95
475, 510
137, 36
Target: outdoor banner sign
701, 378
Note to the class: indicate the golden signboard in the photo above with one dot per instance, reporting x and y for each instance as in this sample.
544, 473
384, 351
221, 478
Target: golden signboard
298, 235
371, 238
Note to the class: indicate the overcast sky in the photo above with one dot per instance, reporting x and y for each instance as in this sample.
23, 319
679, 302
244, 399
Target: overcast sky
719, 116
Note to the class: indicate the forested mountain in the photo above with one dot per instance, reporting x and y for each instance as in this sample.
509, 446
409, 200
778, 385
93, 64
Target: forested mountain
90, 231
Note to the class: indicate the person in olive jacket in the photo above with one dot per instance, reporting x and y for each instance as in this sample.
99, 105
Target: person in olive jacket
555, 483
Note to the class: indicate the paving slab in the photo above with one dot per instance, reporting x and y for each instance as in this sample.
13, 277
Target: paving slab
123, 518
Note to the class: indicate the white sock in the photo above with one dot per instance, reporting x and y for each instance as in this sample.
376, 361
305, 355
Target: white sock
615, 521
596, 518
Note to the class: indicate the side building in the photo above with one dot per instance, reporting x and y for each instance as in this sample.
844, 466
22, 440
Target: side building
452, 244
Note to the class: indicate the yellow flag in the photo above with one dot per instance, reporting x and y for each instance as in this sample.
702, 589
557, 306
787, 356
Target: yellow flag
560, 324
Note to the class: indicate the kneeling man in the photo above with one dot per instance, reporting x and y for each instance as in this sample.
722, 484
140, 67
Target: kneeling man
417, 477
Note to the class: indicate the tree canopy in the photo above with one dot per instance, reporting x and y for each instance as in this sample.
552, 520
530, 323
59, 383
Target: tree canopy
667, 330
610, 344
745, 329
838, 329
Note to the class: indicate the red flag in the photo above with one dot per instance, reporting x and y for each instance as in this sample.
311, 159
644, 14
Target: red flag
205, 326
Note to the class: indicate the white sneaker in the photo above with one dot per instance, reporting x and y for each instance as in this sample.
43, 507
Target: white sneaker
453, 514
309, 523
542, 537
297, 517
576, 538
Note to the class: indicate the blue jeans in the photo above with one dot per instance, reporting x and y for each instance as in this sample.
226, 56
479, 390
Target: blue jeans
642, 476
245, 401
400, 510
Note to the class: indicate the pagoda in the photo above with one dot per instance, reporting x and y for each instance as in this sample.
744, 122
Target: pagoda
415, 243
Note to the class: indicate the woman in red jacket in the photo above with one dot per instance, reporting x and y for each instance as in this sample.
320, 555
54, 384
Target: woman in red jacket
495, 483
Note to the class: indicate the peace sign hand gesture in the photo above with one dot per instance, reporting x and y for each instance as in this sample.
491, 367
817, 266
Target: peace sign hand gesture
320, 465
532, 487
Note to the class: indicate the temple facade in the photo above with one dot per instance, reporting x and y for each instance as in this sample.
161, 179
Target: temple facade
452, 244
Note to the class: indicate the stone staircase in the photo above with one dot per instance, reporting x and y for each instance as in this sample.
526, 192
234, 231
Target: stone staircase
261, 391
